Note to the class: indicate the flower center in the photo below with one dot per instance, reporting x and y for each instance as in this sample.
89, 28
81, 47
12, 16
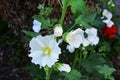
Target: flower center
47, 50
71, 39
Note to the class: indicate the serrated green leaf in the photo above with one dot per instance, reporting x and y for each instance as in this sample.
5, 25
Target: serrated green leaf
92, 61
73, 75
45, 22
30, 34
78, 6
106, 71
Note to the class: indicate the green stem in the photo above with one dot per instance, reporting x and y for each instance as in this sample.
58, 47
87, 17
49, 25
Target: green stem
47, 72
72, 27
63, 14
80, 59
75, 59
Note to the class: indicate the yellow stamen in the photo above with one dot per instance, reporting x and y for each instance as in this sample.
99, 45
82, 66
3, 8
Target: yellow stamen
47, 50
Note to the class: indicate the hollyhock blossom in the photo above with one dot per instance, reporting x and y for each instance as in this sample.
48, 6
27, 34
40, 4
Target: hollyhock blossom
92, 38
75, 38
36, 26
70, 48
58, 31
44, 50
108, 22
64, 67
109, 31
107, 14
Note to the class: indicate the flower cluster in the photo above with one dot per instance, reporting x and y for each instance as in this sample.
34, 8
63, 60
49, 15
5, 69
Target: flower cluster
79, 37
110, 29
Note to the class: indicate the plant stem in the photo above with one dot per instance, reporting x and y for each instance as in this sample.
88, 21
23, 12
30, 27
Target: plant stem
72, 27
75, 59
64, 8
80, 59
47, 72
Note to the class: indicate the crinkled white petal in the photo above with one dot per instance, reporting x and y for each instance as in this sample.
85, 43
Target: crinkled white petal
107, 14
36, 26
75, 38
36, 44
91, 31
108, 22
38, 57
86, 42
60, 41
65, 67
70, 48
93, 40
51, 61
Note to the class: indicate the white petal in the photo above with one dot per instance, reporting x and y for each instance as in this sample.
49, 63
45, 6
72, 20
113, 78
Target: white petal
93, 39
35, 54
65, 67
70, 48
36, 26
108, 22
75, 38
60, 41
86, 42
91, 31
107, 14
35, 44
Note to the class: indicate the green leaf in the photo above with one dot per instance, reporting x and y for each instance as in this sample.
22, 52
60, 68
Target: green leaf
30, 34
36, 72
92, 61
106, 71
78, 6
73, 75
45, 22
89, 19
65, 3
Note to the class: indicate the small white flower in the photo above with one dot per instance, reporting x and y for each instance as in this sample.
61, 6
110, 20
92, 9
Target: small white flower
44, 50
108, 22
92, 37
75, 38
70, 48
36, 26
107, 14
58, 31
64, 67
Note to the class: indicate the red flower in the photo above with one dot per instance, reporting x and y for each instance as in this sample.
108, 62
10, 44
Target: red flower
109, 31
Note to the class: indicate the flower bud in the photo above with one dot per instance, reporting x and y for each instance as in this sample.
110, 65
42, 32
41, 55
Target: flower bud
58, 31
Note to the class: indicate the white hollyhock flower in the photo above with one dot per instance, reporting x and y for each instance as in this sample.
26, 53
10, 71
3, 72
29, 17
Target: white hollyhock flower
75, 38
70, 48
92, 38
58, 31
107, 14
108, 22
44, 50
36, 26
64, 67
